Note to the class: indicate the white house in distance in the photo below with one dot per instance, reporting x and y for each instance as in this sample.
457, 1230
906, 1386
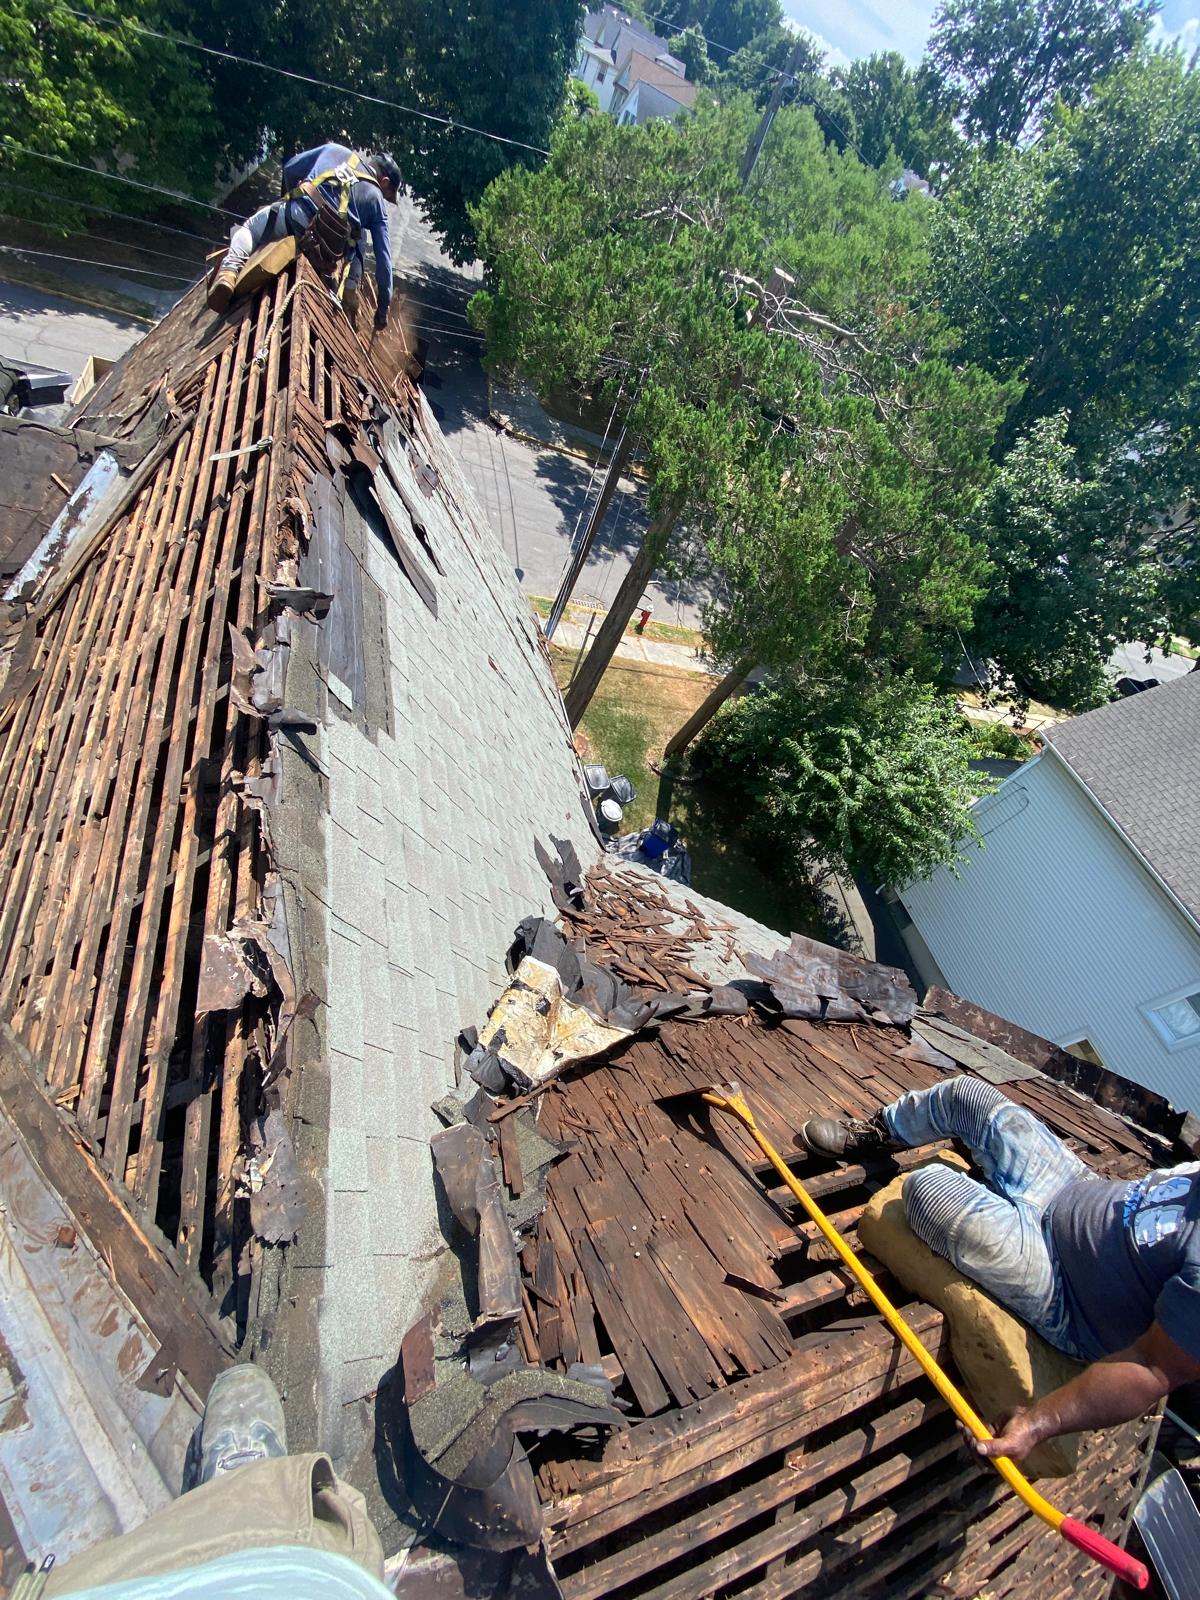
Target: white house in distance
634, 76
1079, 918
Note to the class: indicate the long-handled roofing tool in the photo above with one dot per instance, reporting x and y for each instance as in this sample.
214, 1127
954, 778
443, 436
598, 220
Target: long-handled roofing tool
733, 1102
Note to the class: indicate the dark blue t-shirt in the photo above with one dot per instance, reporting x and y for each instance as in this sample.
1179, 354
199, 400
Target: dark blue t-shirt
1130, 1255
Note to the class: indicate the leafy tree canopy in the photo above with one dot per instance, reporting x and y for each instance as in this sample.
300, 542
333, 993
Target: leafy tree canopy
730, 24
492, 64
812, 439
1077, 566
1006, 62
1073, 266
99, 92
900, 116
1074, 263
691, 48
871, 774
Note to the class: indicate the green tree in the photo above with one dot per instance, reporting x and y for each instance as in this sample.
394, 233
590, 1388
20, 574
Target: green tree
900, 116
690, 48
730, 24
1076, 562
1006, 62
493, 64
804, 451
1072, 266
870, 773
96, 92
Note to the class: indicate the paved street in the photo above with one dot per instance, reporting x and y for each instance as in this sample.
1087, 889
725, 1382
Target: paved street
58, 333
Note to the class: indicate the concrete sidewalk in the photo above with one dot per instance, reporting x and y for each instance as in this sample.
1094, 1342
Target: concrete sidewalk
633, 647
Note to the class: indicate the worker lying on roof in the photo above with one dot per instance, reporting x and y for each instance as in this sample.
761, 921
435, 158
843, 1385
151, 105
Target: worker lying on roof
332, 199
1107, 1272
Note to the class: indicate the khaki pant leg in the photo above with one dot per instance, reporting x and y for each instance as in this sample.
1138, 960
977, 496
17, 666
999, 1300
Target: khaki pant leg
294, 1500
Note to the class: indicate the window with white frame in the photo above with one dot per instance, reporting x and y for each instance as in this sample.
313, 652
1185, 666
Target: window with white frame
1177, 1021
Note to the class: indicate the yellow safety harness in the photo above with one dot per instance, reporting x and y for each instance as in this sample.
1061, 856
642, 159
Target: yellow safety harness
357, 171
353, 170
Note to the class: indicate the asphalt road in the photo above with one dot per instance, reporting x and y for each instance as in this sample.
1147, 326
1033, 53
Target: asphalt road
59, 333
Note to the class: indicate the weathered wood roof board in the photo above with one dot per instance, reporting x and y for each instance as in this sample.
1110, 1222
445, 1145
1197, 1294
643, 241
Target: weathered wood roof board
787, 1445
124, 841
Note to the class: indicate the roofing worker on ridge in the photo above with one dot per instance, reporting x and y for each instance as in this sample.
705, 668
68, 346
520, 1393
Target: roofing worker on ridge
332, 198
1107, 1272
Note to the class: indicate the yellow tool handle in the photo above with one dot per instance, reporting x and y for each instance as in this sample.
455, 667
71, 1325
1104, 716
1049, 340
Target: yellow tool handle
1095, 1544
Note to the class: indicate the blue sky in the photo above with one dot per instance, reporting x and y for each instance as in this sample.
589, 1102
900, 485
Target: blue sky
852, 28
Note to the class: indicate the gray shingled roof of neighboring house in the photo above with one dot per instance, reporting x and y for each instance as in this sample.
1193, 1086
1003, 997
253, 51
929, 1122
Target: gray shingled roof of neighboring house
1140, 759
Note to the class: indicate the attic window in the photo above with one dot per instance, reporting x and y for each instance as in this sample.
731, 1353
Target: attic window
1177, 1021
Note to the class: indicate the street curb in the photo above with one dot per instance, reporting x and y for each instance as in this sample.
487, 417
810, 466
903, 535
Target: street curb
78, 300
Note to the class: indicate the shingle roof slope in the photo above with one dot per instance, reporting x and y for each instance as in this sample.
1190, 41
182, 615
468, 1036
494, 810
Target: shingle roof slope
1140, 758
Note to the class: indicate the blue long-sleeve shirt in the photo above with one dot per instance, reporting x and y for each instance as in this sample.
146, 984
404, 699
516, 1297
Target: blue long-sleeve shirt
367, 211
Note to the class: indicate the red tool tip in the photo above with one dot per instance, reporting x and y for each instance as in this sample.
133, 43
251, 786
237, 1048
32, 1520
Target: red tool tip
1106, 1553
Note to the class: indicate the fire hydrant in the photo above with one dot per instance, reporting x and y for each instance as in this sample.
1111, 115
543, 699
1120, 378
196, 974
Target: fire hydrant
643, 618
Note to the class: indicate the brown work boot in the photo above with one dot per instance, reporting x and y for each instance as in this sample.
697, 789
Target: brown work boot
220, 290
846, 1137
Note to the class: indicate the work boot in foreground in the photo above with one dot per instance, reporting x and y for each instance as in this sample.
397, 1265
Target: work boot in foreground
846, 1137
243, 1422
220, 291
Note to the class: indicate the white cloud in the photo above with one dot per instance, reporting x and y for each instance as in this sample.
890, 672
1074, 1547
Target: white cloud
1186, 35
834, 57
861, 27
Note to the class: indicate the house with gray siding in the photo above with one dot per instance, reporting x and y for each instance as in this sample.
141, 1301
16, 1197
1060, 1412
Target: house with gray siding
1077, 915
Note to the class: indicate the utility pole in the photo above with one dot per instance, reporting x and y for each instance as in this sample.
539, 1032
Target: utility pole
599, 511
786, 79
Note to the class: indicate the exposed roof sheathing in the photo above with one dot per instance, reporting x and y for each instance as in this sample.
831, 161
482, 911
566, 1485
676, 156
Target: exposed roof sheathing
781, 1443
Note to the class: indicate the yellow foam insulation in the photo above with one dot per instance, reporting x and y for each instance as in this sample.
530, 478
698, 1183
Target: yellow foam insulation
544, 1031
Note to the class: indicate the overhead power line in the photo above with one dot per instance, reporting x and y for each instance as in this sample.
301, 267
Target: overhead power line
107, 211
121, 244
82, 261
304, 77
118, 177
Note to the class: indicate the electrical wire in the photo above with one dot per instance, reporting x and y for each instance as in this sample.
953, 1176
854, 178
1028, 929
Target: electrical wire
442, 311
121, 244
117, 177
453, 333
106, 211
304, 77
82, 261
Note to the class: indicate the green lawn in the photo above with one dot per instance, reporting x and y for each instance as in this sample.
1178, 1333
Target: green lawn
637, 709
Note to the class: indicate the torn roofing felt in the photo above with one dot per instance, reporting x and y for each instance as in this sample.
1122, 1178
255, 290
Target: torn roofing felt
776, 1439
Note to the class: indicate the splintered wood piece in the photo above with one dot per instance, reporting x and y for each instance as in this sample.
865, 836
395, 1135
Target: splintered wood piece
510, 1157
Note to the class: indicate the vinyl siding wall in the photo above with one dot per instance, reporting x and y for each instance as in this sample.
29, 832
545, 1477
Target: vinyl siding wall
1056, 924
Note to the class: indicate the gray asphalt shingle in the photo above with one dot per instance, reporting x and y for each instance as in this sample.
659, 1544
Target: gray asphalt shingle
1140, 758
430, 865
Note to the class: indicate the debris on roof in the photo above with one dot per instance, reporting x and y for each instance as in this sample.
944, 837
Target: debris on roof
778, 1439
